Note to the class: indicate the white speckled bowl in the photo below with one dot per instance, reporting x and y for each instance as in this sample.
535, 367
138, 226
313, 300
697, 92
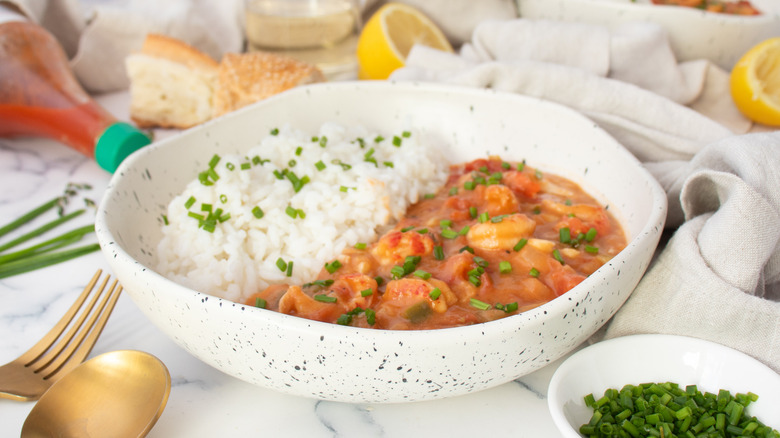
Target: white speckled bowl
658, 358
334, 362
693, 33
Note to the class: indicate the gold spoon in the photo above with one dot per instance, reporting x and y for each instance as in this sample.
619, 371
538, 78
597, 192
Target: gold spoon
121, 393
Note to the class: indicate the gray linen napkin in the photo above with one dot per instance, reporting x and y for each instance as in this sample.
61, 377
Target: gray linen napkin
718, 277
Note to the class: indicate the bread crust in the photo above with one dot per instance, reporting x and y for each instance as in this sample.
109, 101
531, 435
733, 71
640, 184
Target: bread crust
249, 77
172, 49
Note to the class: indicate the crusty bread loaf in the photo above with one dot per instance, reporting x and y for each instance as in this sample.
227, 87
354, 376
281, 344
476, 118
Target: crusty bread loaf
250, 77
171, 84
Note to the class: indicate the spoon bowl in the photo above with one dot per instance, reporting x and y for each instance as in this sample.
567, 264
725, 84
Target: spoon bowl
121, 393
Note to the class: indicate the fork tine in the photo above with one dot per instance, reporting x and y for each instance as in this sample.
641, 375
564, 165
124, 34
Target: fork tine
79, 348
37, 350
56, 347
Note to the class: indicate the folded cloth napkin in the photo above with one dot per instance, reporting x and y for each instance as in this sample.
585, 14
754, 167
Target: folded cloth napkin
98, 34
718, 278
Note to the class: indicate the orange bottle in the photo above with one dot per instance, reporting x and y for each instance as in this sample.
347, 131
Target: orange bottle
40, 97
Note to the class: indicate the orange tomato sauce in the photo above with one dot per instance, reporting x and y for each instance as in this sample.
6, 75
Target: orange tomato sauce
498, 239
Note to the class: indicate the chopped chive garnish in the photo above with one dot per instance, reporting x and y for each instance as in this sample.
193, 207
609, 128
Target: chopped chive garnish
366, 292
319, 165
473, 212
463, 231
230, 166
323, 141
246, 166
281, 264
484, 217
258, 212
379, 280
289, 269
533, 272
261, 303
591, 234
189, 202
224, 217
378, 139
292, 163
223, 198
405, 229
370, 316
557, 256
275, 131
438, 252
214, 161
315, 139
205, 207
298, 151
396, 141
422, 274
469, 185
591, 249
564, 235
293, 213
449, 234
388, 164
504, 267
325, 298
397, 272
197, 216
466, 248
333, 266
477, 304
435, 293
406, 134
520, 244
360, 245
445, 223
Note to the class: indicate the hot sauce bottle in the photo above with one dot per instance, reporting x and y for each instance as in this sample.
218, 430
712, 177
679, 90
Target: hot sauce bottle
40, 97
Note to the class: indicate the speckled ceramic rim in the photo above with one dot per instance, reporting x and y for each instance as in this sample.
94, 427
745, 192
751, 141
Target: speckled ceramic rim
154, 287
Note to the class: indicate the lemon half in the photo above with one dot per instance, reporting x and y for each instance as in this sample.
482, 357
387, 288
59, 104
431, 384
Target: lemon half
755, 83
389, 35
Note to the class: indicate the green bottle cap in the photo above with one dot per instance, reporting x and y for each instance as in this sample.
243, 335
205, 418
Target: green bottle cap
117, 143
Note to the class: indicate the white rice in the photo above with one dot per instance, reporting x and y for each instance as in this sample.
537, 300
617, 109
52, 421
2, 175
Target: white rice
240, 256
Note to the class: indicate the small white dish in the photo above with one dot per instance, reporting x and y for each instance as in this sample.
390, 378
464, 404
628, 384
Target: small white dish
658, 358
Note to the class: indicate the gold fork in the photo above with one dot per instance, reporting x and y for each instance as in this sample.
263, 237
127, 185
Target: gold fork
29, 376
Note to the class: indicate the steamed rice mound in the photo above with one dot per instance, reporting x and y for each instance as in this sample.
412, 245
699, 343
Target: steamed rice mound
356, 192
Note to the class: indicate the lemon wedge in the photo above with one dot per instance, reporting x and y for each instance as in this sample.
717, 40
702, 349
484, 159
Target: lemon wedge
389, 35
755, 83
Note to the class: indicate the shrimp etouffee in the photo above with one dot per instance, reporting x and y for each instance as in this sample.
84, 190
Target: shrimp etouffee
498, 239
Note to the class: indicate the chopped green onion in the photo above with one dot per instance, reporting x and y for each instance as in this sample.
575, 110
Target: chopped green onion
360, 245
406, 134
469, 185
366, 292
298, 151
557, 256
483, 217
281, 264
591, 249
534, 272
591, 234
214, 161
396, 141
422, 274
165, 219
289, 269
261, 303
438, 252
473, 212
246, 166
230, 166
445, 223
564, 235
397, 272
463, 231
333, 266
258, 212
325, 298
189, 202
453, 191
477, 304
223, 198
449, 234
292, 212
504, 267
275, 131
320, 165
435, 293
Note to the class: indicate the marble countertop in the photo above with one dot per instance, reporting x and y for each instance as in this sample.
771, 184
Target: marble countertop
203, 401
